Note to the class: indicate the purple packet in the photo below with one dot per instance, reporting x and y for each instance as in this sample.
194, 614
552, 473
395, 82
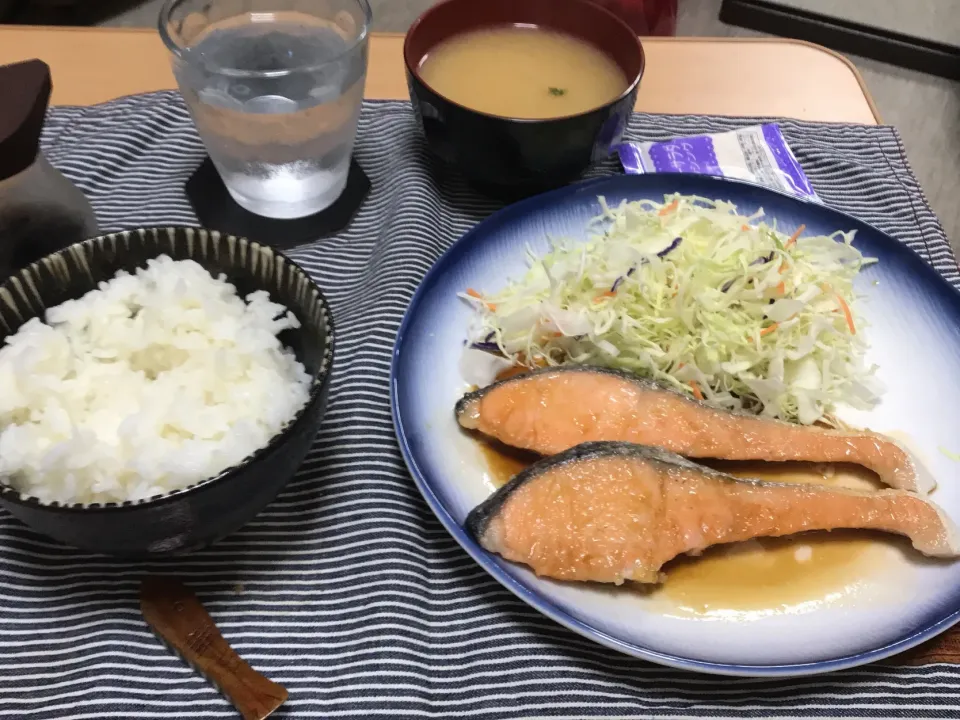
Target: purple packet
757, 154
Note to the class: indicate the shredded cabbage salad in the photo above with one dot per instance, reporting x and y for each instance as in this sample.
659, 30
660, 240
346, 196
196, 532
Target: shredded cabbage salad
724, 307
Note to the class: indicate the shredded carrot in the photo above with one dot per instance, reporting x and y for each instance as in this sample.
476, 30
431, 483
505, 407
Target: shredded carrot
847, 314
474, 294
557, 334
782, 288
667, 209
696, 390
793, 238
680, 366
769, 329
744, 227
604, 295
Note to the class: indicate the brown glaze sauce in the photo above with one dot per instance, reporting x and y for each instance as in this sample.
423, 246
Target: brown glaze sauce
766, 574
503, 462
512, 371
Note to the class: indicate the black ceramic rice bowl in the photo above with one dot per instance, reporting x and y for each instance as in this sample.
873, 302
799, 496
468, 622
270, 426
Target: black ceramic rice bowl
188, 519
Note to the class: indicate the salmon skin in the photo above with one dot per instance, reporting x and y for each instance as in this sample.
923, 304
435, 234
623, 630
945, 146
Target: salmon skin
610, 511
553, 409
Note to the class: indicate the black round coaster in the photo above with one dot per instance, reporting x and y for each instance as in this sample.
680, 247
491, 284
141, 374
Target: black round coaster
217, 210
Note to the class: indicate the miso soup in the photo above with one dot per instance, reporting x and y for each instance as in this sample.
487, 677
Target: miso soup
522, 71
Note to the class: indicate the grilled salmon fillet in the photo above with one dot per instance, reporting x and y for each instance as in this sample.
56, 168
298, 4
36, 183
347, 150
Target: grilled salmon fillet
553, 409
609, 512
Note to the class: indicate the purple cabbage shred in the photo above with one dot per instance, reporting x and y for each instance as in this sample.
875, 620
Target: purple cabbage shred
616, 283
763, 260
670, 248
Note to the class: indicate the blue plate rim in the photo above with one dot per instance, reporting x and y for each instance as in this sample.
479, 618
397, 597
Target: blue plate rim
534, 600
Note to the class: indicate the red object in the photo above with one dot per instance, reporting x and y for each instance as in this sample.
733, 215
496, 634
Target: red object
646, 17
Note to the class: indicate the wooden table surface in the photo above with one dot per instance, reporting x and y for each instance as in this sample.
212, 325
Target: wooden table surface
729, 76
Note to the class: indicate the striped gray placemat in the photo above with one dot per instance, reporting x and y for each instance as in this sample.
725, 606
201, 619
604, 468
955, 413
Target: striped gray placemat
346, 589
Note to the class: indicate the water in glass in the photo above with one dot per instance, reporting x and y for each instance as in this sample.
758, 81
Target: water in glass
276, 97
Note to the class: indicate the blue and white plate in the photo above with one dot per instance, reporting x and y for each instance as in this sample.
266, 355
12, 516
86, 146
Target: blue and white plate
898, 599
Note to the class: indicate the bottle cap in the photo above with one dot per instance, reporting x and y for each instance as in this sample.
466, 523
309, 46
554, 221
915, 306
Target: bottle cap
25, 88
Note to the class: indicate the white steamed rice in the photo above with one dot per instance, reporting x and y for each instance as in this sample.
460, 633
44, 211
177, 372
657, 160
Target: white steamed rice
149, 384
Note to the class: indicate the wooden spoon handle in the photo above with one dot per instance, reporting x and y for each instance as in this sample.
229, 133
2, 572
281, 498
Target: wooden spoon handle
177, 616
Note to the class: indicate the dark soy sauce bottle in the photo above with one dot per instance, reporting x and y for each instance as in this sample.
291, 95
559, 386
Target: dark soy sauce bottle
41, 211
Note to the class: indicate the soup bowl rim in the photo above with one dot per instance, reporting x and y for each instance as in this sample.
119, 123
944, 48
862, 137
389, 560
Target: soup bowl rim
413, 65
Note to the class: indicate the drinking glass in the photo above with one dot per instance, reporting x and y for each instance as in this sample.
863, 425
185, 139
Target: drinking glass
275, 88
